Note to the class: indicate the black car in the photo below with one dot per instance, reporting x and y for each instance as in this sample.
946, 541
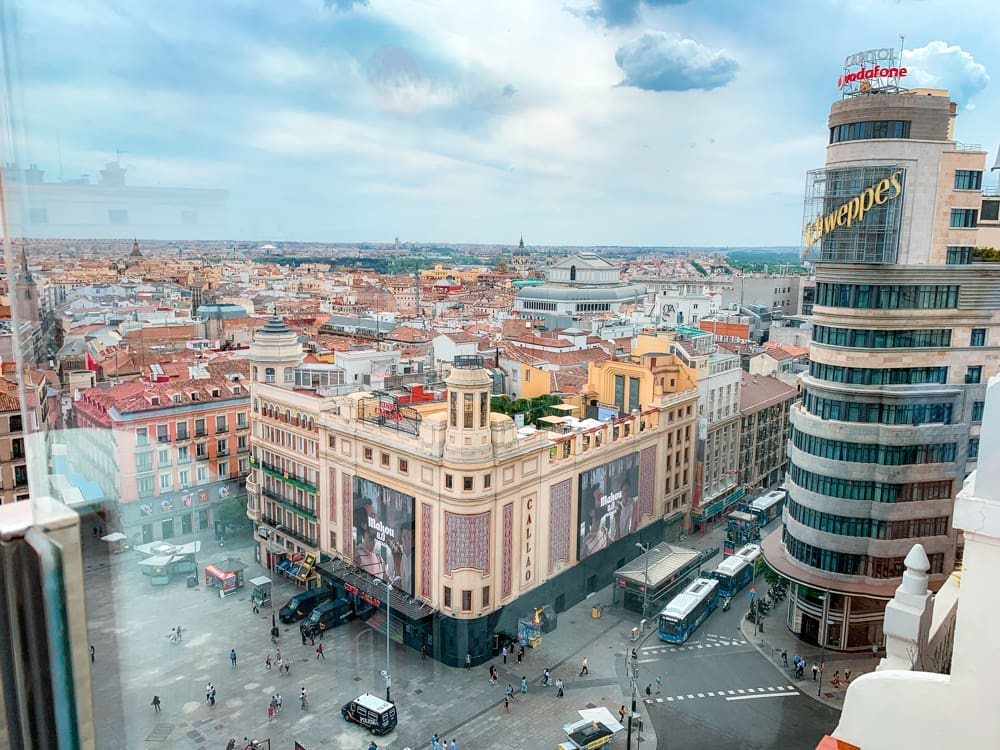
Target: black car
302, 604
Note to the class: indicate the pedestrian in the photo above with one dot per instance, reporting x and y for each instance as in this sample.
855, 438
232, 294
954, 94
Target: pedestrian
312, 637
373, 746
277, 654
524, 684
520, 653
179, 632
635, 655
815, 672
277, 702
784, 658
156, 704
208, 692
267, 661
503, 652
836, 678
92, 653
510, 691
435, 744
423, 652
506, 704
875, 651
319, 653
288, 667
253, 603
468, 661
621, 715
270, 711
173, 635
546, 679
584, 669
847, 675
274, 634
453, 746
649, 690
659, 685
211, 696
559, 688
303, 634
232, 657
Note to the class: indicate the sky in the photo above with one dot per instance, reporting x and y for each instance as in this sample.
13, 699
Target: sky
574, 122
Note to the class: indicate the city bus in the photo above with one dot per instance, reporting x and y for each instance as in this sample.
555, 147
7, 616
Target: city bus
686, 611
733, 574
768, 507
748, 552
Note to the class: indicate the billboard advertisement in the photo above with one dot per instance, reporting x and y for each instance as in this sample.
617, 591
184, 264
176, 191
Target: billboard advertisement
608, 504
383, 532
854, 214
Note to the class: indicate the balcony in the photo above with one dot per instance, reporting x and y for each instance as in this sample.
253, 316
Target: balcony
163, 438
298, 481
220, 454
291, 504
200, 432
307, 541
184, 435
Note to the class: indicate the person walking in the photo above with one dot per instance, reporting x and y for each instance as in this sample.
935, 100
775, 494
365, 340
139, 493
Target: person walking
503, 652
836, 678
468, 661
659, 685
208, 692
520, 653
452, 746
277, 702
303, 634
847, 675
156, 704
312, 636
584, 669
92, 653
211, 694
423, 652
524, 684
815, 672
435, 743
253, 603
559, 688
179, 634
875, 651
319, 653
621, 715
232, 657
270, 711
649, 690
506, 704
277, 654
784, 658
267, 661
510, 691
288, 667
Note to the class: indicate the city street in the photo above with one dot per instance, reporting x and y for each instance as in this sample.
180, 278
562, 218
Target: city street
718, 691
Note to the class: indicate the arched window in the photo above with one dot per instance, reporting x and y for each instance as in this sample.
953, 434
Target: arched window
288, 415
256, 406
269, 375
572, 273
255, 373
289, 374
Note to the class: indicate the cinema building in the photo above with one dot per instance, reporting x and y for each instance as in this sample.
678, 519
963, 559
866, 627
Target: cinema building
479, 523
905, 337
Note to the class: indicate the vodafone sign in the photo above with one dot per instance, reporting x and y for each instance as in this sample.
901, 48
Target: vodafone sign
862, 67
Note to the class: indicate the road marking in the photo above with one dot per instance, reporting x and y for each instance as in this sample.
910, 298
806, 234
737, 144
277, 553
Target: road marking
733, 692
670, 700
765, 695
711, 695
647, 661
659, 700
771, 689
791, 687
691, 697
680, 697
700, 646
701, 695
740, 691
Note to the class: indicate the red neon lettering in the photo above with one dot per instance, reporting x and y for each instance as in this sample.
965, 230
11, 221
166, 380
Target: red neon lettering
867, 73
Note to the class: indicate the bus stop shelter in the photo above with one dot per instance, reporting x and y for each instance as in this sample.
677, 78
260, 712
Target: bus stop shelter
669, 569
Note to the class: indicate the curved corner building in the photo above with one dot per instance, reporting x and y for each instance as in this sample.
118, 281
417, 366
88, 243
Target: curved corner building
905, 337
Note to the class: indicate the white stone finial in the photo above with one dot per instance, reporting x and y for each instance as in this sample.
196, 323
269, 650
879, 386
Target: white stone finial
987, 481
916, 559
915, 575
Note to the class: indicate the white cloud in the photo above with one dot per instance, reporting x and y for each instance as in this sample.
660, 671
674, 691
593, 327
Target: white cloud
659, 61
944, 66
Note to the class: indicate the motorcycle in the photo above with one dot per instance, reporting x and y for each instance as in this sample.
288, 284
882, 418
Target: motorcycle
726, 603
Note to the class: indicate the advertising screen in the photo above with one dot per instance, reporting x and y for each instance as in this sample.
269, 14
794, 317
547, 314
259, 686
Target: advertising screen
383, 532
608, 505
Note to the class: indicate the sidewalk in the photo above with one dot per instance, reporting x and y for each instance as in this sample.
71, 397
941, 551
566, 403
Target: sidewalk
778, 638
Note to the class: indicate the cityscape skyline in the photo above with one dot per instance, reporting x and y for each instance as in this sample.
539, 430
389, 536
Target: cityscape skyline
572, 124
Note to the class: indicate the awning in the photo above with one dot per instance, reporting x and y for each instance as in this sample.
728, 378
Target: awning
401, 603
114, 536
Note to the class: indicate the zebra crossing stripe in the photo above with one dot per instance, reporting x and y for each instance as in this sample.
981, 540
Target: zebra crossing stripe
791, 687
771, 689
659, 700
740, 691
670, 700
732, 692
680, 697
701, 695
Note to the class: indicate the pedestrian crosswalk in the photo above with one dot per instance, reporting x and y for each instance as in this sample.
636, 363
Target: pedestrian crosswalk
773, 691
709, 642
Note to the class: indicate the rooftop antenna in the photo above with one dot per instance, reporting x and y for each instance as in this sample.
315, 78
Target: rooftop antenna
996, 166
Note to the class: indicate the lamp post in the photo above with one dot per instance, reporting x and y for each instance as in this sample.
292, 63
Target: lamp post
645, 588
270, 573
822, 650
388, 603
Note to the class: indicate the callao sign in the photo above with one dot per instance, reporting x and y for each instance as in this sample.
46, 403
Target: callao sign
862, 67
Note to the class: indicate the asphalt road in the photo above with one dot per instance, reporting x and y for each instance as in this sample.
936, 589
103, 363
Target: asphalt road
719, 692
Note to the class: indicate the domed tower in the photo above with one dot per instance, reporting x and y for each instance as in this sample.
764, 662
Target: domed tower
274, 354
468, 432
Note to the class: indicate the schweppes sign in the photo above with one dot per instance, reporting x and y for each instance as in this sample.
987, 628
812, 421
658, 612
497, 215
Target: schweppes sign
854, 210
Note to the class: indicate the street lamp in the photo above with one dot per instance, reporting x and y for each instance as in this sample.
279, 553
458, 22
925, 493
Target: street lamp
270, 573
388, 603
645, 588
822, 650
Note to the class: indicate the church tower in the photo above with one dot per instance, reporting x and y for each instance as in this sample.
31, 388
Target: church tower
520, 259
274, 354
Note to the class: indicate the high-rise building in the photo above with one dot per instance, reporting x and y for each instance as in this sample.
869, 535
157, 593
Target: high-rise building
905, 337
